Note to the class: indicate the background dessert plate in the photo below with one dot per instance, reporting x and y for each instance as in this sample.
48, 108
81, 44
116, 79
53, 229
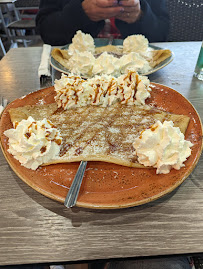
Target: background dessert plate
100, 42
107, 185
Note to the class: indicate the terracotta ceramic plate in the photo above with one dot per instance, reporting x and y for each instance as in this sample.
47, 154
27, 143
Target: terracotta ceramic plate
107, 185
99, 42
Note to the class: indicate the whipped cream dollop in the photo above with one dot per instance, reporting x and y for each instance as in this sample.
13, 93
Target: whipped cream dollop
33, 143
106, 64
81, 63
133, 89
73, 91
162, 146
85, 64
133, 61
100, 90
81, 42
136, 43
67, 90
83, 60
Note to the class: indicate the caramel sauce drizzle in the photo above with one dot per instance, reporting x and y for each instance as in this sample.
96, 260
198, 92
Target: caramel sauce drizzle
27, 135
105, 118
98, 89
43, 149
15, 124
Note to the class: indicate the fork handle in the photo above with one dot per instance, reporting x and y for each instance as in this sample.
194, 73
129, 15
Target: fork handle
72, 195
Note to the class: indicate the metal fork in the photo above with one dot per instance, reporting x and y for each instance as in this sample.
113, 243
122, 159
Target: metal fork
72, 195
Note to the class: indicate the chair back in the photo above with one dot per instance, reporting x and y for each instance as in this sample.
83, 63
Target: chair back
186, 20
22, 28
25, 4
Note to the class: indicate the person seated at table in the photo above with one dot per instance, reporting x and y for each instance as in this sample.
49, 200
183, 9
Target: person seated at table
58, 21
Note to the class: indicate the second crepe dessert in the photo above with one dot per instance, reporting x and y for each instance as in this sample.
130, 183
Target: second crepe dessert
83, 58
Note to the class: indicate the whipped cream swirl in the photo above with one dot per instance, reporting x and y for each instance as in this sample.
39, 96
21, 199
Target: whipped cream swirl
33, 143
133, 89
137, 43
162, 146
106, 64
67, 89
81, 42
81, 63
133, 61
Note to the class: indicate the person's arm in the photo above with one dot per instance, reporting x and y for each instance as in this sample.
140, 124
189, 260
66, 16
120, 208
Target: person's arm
153, 23
57, 22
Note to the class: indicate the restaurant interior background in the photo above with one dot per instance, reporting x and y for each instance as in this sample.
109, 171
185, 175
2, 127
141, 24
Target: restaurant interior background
185, 18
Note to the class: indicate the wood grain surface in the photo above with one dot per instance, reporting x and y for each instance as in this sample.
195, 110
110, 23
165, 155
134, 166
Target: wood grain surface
36, 229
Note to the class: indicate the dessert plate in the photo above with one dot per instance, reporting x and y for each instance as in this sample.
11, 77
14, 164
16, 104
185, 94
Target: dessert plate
100, 42
106, 185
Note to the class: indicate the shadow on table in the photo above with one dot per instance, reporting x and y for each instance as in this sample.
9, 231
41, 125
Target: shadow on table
96, 217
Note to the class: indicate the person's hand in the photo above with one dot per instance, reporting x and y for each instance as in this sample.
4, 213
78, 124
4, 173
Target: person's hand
98, 10
132, 11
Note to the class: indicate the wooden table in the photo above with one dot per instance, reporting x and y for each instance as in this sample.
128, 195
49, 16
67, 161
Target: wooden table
35, 229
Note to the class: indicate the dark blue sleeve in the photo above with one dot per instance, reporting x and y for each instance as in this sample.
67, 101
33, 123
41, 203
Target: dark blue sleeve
154, 22
58, 21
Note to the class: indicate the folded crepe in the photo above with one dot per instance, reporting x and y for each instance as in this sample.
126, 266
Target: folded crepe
118, 50
96, 133
158, 56
61, 56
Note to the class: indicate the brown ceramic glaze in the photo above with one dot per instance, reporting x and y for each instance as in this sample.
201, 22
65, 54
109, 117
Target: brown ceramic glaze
108, 185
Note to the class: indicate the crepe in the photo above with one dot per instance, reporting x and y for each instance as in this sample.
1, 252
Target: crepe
118, 50
61, 56
158, 56
96, 133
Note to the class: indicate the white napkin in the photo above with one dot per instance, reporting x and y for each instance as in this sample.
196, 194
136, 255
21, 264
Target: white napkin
1, 108
44, 67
